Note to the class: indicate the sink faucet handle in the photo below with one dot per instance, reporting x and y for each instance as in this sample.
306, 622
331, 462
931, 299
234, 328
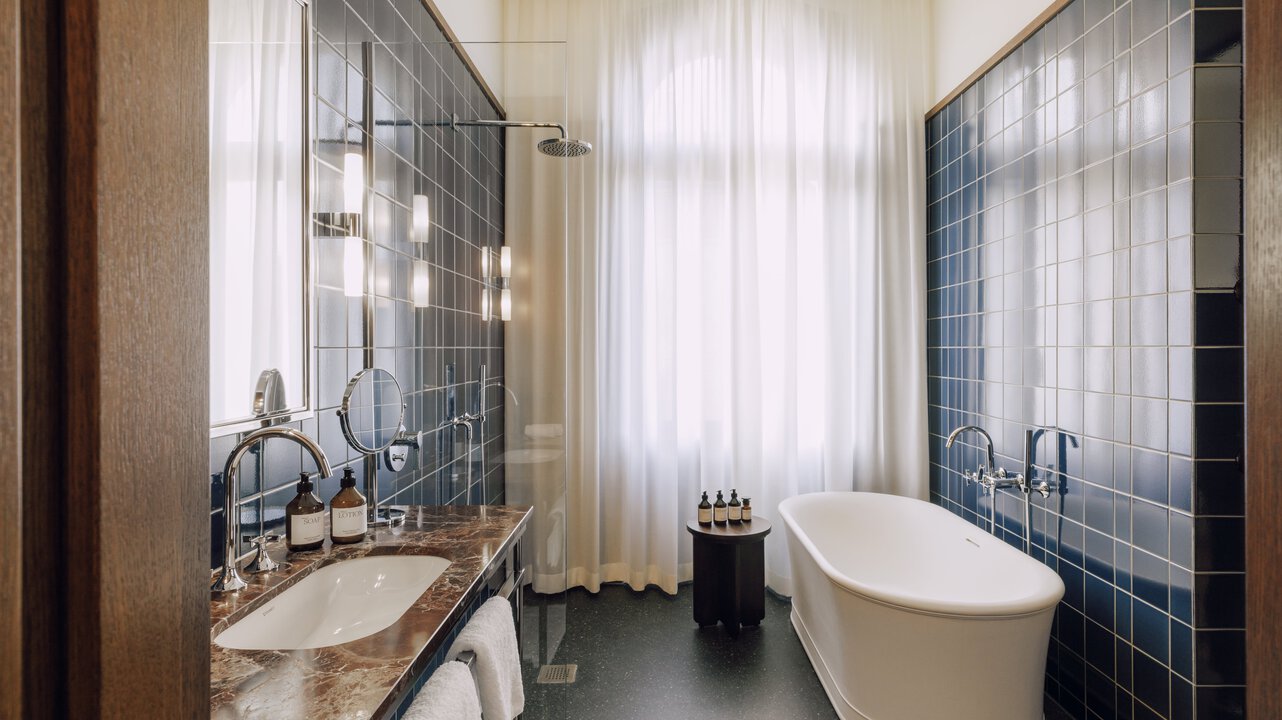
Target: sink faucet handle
262, 562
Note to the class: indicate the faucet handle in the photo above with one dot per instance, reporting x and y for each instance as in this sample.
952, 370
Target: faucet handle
262, 562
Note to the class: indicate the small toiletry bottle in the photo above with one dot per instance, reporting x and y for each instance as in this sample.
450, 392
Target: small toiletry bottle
705, 510
347, 511
736, 508
719, 510
304, 518
747, 509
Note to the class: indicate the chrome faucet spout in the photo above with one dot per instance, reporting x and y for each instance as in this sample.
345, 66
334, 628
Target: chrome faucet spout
229, 579
992, 456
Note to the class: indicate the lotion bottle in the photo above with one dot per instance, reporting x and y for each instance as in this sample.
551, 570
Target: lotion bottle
304, 518
719, 510
347, 511
736, 507
705, 510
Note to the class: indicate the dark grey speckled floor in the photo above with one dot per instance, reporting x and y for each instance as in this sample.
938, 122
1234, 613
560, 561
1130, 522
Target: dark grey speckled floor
640, 655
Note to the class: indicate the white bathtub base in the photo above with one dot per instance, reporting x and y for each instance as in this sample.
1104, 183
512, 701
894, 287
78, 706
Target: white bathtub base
844, 709
909, 613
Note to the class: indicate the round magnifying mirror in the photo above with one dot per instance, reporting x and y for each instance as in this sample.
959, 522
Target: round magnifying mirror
372, 411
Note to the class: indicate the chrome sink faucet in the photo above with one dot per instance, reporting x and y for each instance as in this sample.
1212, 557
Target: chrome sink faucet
229, 579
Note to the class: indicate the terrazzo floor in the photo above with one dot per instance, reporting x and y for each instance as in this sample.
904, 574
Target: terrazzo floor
640, 655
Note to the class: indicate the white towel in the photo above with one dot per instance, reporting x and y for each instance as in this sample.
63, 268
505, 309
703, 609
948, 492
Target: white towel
491, 634
449, 694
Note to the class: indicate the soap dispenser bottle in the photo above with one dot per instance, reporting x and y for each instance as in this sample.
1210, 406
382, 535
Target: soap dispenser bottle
347, 511
719, 510
304, 518
705, 510
736, 507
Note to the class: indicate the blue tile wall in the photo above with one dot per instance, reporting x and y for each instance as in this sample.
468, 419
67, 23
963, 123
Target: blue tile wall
1084, 273
420, 80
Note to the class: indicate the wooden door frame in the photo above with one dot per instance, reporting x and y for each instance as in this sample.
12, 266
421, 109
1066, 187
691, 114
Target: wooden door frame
1262, 147
111, 296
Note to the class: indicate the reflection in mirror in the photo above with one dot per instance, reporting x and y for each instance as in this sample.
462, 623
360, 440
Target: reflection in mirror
372, 411
258, 196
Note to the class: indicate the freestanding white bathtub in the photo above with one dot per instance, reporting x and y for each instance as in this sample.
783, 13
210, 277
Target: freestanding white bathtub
910, 613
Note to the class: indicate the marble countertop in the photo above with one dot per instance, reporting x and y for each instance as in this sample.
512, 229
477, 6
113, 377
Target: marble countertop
363, 678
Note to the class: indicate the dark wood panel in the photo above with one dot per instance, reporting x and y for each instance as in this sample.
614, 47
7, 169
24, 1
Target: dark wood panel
150, 303
1263, 278
44, 596
10, 381
114, 286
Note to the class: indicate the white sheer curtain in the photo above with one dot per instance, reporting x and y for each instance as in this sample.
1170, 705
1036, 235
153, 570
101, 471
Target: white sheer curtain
747, 254
256, 212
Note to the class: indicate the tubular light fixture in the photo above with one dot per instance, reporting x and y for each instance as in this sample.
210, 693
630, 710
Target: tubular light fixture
505, 304
422, 219
353, 183
421, 285
353, 266
505, 283
485, 303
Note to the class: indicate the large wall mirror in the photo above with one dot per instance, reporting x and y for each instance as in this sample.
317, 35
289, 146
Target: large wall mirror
260, 319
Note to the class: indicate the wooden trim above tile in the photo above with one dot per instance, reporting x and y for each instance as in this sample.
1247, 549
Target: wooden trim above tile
439, 18
1037, 23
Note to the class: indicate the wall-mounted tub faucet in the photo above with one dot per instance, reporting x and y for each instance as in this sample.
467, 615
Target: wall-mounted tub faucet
229, 579
990, 477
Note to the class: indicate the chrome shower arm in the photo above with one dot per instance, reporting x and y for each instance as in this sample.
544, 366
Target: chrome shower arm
455, 122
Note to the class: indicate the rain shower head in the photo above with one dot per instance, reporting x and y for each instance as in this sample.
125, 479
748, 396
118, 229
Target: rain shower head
564, 147
554, 147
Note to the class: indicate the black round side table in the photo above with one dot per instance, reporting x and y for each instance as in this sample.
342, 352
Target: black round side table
730, 573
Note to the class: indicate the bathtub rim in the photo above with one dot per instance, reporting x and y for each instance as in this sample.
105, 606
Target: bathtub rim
1043, 601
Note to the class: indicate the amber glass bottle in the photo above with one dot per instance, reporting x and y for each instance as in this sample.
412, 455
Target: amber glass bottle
705, 510
735, 509
719, 510
304, 518
347, 511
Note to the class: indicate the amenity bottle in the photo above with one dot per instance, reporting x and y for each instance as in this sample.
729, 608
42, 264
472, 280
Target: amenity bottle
304, 518
736, 508
747, 509
719, 510
347, 511
705, 510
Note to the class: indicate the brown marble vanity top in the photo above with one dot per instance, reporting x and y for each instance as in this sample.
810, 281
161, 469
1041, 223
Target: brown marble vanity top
363, 678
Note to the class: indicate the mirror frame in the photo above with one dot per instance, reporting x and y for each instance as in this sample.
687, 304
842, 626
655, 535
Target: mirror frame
345, 412
306, 409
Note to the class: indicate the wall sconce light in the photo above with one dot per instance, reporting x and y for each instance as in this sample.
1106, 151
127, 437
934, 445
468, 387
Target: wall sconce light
502, 283
347, 225
421, 289
505, 304
422, 219
353, 183
353, 266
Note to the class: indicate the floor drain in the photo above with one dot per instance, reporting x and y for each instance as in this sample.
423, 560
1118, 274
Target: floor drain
557, 674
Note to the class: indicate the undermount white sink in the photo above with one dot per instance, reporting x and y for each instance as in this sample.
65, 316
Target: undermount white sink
338, 603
